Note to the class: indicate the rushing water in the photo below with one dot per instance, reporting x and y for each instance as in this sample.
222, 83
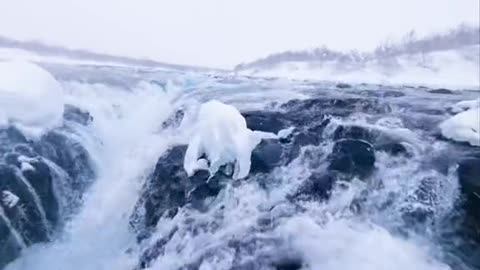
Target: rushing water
400, 216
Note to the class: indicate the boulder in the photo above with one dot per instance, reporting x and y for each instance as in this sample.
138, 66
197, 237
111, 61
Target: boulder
380, 141
69, 155
170, 188
343, 85
72, 113
354, 132
317, 186
10, 247
350, 156
29, 203
469, 177
26, 216
266, 121
441, 91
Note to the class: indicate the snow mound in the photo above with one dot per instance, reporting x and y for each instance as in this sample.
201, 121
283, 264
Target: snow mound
465, 126
30, 98
465, 105
222, 136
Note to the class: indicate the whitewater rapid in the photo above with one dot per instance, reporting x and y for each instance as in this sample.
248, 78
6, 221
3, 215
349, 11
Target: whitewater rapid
129, 107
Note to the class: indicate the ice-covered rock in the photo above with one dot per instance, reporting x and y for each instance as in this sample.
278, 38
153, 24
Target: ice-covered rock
465, 126
30, 98
9, 199
221, 134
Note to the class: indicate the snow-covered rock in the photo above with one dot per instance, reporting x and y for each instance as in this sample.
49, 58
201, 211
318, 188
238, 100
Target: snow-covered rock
222, 136
30, 98
464, 126
465, 105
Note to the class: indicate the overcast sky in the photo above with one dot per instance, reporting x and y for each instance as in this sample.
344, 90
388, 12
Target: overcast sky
223, 33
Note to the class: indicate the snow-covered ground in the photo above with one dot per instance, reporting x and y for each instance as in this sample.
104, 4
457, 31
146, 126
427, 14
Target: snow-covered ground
454, 69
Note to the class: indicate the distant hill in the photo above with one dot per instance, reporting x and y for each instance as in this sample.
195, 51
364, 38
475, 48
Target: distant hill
461, 36
450, 59
76, 54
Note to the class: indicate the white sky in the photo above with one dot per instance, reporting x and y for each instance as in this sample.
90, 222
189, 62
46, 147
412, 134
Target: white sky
223, 33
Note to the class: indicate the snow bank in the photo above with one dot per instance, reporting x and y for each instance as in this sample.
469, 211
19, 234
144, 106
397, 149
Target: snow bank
222, 136
454, 69
465, 126
30, 98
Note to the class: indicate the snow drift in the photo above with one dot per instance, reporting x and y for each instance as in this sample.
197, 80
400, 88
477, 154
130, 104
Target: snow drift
30, 98
442, 60
457, 69
465, 126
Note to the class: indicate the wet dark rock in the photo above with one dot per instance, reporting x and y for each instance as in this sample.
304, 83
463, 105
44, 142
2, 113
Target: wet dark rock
10, 248
289, 265
70, 155
354, 132
151, 253
430, 111
174, 120
41, 180
380, 141
26, 216
441, 91
9, 137
301, 112
72, 113
312, 135
469, 177
393, 94
266, 156
266, 121
24, 150
392, 148
356, 157
343, 85
170, 188
317, 186
272, 153
378, 93
28, 170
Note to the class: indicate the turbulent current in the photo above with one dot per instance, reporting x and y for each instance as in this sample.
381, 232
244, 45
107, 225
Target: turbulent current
279, 175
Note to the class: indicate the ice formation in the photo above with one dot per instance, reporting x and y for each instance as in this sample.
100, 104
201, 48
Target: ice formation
9, 199
30, 98
221, 134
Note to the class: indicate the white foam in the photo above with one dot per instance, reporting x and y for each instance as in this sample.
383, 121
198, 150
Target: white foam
284, 133
30, 98
343, 244
221, 134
